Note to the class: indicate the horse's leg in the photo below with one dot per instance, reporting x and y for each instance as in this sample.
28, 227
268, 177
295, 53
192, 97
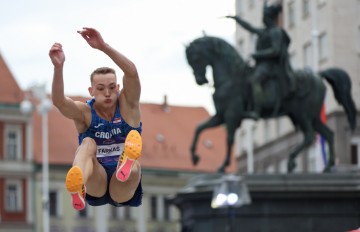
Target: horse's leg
213, 121
309, 137
328, 135
231, 126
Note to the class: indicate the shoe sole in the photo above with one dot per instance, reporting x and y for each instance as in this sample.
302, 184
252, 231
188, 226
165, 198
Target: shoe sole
74, 184
132, 151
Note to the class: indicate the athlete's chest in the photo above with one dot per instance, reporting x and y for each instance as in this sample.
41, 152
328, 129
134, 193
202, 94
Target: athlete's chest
105, 129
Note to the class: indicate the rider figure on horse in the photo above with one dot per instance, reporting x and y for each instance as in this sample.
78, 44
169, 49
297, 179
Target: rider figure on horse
272, 58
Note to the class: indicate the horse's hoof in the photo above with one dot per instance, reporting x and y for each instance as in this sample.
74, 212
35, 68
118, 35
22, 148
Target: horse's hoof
291, 166
221, 170
327, 169
195, 159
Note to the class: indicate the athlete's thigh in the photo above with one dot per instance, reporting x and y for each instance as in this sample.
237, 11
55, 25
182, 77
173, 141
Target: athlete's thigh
124, 191
96, 185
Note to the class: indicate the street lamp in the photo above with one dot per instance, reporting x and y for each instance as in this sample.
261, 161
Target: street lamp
43, 108
231, 191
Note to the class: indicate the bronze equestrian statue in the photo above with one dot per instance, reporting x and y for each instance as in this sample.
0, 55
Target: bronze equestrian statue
232, 81
269, 89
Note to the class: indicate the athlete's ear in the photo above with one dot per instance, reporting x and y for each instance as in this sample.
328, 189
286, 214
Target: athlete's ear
90, 91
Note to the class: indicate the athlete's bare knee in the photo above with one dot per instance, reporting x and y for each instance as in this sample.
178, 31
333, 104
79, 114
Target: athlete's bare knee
124, 191
89, 143
123, 195
85, 157
87, 148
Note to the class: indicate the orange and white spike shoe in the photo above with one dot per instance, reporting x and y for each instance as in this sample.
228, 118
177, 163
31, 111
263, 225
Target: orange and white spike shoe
75, 185
132, 151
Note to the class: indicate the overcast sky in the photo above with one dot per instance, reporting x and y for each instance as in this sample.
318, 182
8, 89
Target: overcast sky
153, 34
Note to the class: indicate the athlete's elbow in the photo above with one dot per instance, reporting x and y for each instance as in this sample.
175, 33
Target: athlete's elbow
131, 71
58, 103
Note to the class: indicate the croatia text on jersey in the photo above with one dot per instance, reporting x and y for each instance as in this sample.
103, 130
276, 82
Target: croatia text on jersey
107, 135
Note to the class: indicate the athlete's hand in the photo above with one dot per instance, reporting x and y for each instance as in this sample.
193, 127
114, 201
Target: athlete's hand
92, 37
57, 55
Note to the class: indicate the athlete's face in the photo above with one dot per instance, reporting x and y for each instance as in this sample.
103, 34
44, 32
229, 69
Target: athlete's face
104, 88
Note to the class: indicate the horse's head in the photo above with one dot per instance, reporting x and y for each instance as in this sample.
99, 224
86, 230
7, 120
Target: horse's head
197, 58
217, 53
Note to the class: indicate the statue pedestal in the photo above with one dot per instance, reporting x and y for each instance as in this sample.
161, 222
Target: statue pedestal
280, 203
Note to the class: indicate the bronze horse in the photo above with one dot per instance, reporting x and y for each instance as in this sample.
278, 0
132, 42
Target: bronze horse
232, 98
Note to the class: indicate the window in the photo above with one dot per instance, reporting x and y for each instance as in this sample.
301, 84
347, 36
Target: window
306, 8
291, 14
55, 203
13, 193
86, 213
123, 213
126, 213
52, 203
160, 208
167, 205
308, 61
12, 142
83, 213
115, 212
153, 207
322, 46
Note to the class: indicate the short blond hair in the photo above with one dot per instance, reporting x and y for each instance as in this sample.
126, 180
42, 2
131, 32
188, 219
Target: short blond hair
102, 70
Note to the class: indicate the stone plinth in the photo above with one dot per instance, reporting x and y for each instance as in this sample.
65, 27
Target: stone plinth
280, 203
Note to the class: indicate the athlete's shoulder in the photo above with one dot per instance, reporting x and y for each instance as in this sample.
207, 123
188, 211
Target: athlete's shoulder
83, 106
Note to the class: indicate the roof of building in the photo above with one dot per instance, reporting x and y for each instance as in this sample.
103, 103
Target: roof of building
10, 92
167, 136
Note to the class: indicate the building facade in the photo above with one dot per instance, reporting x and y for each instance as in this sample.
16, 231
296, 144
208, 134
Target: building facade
16, 160
324, 34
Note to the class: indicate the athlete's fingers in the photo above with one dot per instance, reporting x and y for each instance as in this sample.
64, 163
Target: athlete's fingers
55, 48
84, 34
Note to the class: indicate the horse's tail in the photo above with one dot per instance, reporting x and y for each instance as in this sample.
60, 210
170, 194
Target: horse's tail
341, 85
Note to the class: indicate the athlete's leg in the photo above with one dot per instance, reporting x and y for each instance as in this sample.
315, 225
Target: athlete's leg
94, 174
124, 191
132, 151
125, 181
86, 171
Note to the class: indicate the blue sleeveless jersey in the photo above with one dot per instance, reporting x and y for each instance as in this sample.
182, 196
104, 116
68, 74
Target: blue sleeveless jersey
108, 135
